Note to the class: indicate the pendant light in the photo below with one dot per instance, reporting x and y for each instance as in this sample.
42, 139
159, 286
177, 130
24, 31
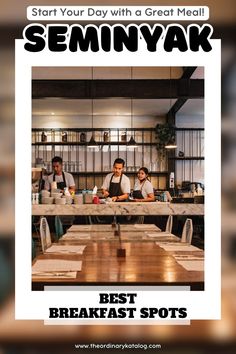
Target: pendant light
171, 144
92, 142
131, 143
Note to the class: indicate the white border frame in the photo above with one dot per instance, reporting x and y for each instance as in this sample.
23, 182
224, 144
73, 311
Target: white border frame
200, 304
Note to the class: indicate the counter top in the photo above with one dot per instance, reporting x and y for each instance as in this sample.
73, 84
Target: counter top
125, 208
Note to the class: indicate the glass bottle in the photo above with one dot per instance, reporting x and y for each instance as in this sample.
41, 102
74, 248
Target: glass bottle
106, 137
44, 137
123, 137
64, 137
83, 137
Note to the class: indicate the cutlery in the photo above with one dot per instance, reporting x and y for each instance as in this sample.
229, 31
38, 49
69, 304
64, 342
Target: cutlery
189, 258
53, 274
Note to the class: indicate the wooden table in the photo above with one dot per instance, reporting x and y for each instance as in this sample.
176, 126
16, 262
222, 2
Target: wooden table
145, 264
109, 228
81, 234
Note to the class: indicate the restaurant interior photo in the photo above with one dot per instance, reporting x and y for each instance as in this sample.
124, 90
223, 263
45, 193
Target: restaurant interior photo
118, 176
58, 111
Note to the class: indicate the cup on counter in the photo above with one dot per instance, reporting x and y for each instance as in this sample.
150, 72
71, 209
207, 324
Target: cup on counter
88, 197
69, 199
45, 193
96, 199
47, 200
60, 201
56, 195
78, 198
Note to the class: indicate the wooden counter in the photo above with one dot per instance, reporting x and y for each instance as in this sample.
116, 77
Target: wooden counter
129, 208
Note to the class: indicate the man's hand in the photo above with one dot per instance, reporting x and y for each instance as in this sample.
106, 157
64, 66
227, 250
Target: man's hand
106, 194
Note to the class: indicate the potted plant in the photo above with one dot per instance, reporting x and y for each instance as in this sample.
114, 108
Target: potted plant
165, 134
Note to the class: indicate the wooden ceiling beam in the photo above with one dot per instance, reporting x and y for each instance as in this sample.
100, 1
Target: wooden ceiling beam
188, 71
137, 89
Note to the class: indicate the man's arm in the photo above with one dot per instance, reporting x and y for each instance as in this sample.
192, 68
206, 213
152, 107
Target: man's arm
72, 189
150, 198
47, 183
120, 198
105, 192
105, 186
71, 183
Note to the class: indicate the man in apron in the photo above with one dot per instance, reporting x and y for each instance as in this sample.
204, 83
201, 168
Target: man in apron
116, 185
63, 179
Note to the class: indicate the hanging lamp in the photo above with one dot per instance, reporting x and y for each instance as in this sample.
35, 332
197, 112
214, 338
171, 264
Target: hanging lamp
131, 143
171, 144
92, 142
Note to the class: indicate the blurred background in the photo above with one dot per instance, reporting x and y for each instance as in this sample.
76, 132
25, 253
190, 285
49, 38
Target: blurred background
201, 336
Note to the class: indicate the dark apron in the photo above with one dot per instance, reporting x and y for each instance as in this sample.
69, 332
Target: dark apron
138, 193
69, 219
60, 185
115, 188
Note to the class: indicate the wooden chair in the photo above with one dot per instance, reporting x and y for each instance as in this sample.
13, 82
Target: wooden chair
59, 232
169, 224
45, 235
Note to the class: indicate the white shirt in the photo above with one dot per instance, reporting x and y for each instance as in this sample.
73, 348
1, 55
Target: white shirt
125, 182
146, 187
69, 179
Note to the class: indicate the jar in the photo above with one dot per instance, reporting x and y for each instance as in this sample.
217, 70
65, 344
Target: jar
64, 137
106, 137
78, 199
83, 137
43, 137
88, 198
123, 137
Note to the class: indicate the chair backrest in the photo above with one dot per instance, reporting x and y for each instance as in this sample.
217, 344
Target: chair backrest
169, 224
58, 228
187, 232
45, 235
33, 249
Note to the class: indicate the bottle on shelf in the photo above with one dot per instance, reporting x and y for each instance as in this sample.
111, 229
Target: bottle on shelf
172, 180
199, 190
53, 135
106, 137
36, 198
123, 137
83, 137
43, 137
33, 198
64, 137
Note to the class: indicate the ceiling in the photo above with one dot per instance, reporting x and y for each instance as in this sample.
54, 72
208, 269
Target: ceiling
103, 107
115, 106
103, 73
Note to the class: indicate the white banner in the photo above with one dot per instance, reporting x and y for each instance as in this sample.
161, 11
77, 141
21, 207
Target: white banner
114, 13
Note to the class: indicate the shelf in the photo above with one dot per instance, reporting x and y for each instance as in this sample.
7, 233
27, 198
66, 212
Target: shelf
187, 158
99, 143
96, 173
76, 153
81, 130
189, 129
